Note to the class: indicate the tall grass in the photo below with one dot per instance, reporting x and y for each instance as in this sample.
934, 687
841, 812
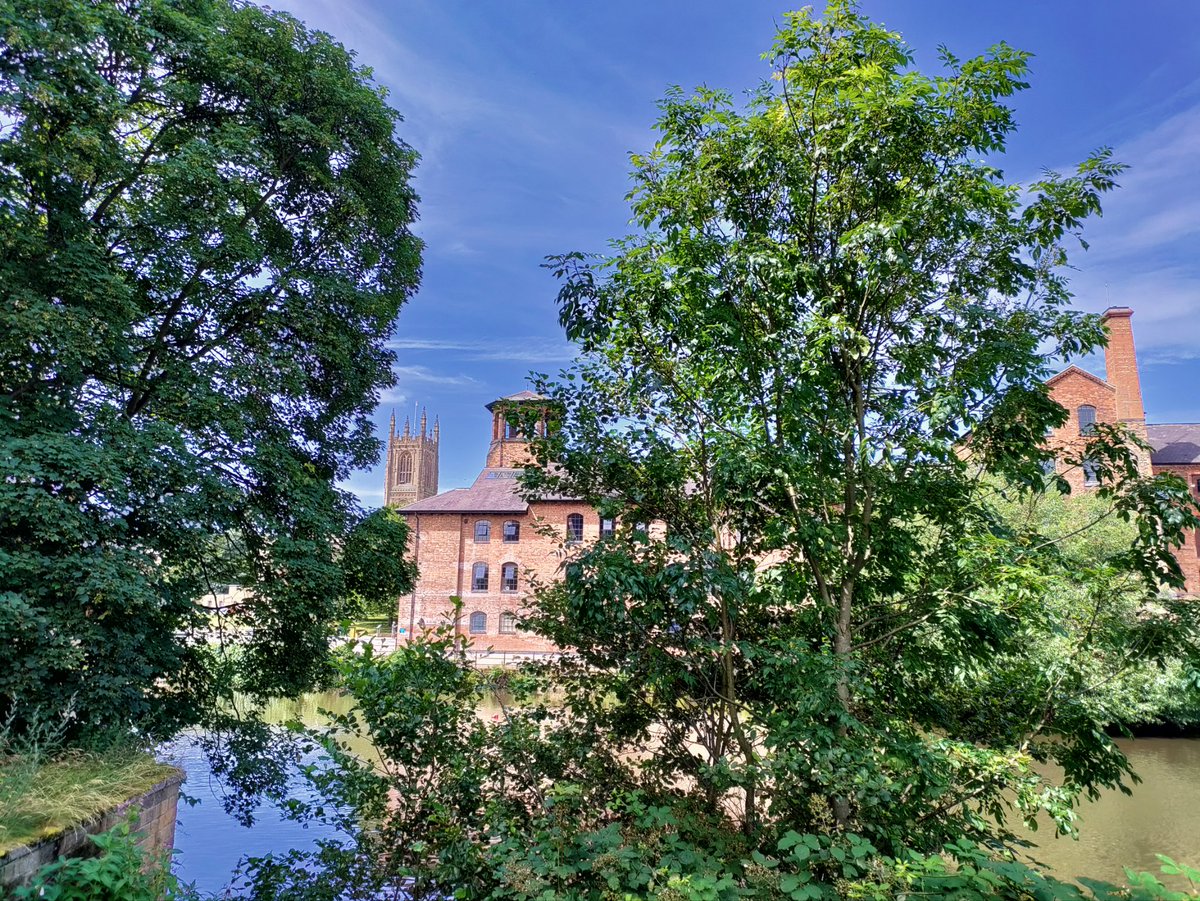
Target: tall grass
44, 789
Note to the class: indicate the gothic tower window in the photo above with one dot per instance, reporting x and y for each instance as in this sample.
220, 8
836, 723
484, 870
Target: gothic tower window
404, 469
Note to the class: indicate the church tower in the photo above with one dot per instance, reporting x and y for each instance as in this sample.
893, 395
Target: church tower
412, 463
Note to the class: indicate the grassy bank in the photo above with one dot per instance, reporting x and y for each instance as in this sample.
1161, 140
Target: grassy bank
40, 797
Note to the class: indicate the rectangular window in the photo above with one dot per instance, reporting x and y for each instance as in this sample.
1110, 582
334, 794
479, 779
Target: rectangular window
574, 528
479, 577
1090, 473
1087, 419
483, 532
512, 531
607, 527
508, 623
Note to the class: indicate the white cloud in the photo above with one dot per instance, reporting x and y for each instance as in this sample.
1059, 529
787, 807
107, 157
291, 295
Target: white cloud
427, 376
1145, 250
513, 349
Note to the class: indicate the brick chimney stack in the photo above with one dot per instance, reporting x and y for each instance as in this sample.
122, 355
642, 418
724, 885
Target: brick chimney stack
1120, 364
1121, 371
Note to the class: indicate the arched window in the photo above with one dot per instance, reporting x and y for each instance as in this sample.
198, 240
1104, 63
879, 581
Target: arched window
575, 527
512, 428
607, 527
479, 577
512, 531
1087, 419
483, 532
508, 622
404, 469
478, 623
508, 577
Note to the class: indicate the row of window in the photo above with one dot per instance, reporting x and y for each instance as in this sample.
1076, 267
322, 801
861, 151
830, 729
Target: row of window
512, 529
508, 577
1091, 472
477, 624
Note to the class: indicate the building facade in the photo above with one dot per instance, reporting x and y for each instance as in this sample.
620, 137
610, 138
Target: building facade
488, 545
1117, 398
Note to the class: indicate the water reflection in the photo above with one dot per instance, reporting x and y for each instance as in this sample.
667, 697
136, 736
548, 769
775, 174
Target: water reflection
1161, 817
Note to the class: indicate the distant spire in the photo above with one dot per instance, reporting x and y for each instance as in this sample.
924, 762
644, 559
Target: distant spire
392, 424
435, 428
422, 422
406, 430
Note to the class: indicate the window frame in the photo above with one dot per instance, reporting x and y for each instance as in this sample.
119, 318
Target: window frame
1088, 428
480, 617
574, 528
612, 526
508, 623
1091, 477
476, 581
516, 532
486, 530
508, 586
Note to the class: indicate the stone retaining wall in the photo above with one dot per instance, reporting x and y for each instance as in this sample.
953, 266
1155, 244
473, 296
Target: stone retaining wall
157, 811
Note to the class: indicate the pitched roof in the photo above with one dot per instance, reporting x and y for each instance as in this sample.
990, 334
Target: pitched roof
1174, 443
495, 490
1075, 370
517, 398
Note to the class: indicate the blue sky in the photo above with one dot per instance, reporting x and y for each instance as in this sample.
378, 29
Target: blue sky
525, 112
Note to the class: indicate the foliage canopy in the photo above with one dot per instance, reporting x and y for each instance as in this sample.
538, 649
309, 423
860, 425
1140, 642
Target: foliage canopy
204, 241
828, 666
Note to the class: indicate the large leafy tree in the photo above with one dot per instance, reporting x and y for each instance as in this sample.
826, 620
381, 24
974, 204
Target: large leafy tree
813, 364
844, 613
204, 241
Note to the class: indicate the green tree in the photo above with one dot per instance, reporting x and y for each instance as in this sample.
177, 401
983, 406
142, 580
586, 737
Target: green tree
204, 241
840, 619
826, 341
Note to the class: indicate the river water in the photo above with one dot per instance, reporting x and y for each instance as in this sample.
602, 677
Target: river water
1161, 817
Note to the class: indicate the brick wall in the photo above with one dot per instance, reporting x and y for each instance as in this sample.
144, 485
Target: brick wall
157, 810
445, 550
1074, 388
1189, 554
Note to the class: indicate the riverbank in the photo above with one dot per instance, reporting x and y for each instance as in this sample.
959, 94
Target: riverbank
1161, 817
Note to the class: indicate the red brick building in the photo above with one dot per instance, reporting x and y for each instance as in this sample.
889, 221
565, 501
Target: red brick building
486, 544
1117, 398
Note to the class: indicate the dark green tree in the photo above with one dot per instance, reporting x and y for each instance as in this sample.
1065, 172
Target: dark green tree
204, 242
811, 365
839, 622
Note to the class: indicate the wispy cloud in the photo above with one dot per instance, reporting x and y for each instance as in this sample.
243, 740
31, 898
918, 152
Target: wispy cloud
425, 375
528, 349
1146, 250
